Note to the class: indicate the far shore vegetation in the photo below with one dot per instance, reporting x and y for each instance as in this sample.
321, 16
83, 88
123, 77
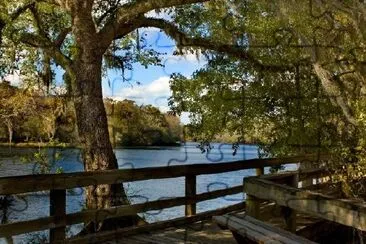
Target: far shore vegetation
30, 118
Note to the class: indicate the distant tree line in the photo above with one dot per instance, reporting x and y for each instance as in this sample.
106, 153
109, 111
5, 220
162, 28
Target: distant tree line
28, 115
130, 124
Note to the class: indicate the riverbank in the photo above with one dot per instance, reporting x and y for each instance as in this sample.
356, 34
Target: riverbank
74, 145
39, 145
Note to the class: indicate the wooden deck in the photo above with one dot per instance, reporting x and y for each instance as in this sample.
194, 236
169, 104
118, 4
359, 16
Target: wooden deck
209, 232
200, 232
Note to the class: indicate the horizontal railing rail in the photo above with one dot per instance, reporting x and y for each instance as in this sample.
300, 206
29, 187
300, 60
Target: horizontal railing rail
35, 183
58, 183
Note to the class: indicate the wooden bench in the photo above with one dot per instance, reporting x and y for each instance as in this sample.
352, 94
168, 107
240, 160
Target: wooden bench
247, 229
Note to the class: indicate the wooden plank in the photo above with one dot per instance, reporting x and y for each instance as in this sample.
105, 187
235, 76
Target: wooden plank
35, 183
100, 215
346, 212
58, 210
251, 233
112, 235
249, 225
190, 188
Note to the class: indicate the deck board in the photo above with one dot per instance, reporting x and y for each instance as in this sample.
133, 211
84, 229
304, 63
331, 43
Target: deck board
202, 232
209, 232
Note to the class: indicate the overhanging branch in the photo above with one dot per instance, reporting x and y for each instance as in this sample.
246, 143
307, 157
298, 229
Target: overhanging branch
128, 13
183, 40
49, 47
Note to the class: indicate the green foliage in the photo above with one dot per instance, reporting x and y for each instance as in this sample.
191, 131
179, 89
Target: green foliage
281, 102
33, 117
43, 162
131, 125
299, 88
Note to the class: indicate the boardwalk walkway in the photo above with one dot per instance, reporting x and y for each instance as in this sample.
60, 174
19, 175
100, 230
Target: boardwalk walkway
202, 232
209, 232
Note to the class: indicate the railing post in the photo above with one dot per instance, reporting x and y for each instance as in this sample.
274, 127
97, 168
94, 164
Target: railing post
252, 206
58, 210
190, 193
290, 214
259, 171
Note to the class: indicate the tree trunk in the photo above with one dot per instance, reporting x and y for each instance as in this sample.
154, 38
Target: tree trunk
10, 131
97, 152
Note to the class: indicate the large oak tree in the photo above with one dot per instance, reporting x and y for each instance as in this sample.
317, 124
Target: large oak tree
75, 35
78, 35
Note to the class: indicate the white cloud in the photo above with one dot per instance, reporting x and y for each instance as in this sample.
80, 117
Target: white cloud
155, 93
184, 118
14, 78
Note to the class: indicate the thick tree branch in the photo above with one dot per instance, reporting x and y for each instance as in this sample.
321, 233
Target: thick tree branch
61, 37
49, 47
130, 12
335, 93
183, 40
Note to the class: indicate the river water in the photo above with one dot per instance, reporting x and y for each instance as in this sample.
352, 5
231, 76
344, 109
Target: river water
35, 205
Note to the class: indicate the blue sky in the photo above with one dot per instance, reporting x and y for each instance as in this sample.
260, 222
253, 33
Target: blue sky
154, 88
154, 81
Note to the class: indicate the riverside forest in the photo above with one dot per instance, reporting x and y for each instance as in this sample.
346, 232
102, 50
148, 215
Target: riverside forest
182, 121
30, 116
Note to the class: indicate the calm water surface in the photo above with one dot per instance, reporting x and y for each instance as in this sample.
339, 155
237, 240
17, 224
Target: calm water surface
35, 205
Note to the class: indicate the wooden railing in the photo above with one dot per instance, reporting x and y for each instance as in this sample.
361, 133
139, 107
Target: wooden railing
58, 183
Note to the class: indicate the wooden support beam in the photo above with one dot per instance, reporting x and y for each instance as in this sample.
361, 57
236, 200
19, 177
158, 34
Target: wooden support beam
190, 193
58, 210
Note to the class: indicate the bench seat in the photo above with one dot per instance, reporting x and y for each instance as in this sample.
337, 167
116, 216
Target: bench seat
246, 228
